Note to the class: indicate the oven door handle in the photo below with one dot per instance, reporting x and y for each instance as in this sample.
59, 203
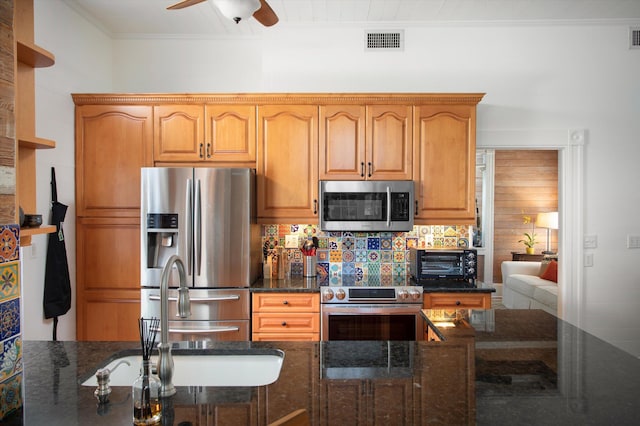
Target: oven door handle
200, 299
200, 330
388, 309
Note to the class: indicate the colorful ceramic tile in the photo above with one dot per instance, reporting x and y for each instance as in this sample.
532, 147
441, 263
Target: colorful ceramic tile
323, 242
10, 357
373, 268
348, 256
9, 318
398, 257
386, 269
386, 243
335, 269
348, 268
373, 256
399, 269
10, 395
296, 269
335, 256
463, 243
348, 243
361, 255
450, 242
322, 255
412, 242
399, 243
9, 243
360, 272
9, 280
360, 234
322, 268
334, 243
270, 230
386, 256
373, 243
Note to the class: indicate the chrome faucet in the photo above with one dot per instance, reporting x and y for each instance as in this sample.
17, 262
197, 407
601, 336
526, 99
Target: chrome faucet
165, 360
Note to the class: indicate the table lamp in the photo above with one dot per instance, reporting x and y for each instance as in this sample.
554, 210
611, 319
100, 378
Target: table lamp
548, 220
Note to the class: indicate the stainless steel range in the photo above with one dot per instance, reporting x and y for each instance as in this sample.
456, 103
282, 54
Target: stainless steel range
371, 313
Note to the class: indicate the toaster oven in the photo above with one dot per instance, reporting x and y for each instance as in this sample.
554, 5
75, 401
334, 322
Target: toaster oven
440, 266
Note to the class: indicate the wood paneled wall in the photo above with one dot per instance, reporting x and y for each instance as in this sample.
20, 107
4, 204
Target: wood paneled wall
7, 118
526, 183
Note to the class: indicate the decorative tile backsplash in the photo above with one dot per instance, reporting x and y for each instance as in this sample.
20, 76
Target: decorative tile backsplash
10, 335
364, 253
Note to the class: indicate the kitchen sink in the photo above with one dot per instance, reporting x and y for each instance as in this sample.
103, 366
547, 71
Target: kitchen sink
250, 367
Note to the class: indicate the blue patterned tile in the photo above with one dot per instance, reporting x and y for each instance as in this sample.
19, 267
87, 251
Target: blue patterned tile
9, 318
10, 395
10, 357
373, 243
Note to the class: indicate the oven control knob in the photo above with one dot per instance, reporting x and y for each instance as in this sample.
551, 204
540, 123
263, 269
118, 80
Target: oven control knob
471, 270
414, 294
340, 294
403, 294
327, 294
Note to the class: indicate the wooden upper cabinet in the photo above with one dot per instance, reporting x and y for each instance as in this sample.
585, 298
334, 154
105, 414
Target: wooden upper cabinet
389, 142
178, 133
112, 143
287, 169
342, 142
444, 164
230, 133
210, 133
360, 142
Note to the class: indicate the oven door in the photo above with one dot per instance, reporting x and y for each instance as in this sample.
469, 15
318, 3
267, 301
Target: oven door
371, 322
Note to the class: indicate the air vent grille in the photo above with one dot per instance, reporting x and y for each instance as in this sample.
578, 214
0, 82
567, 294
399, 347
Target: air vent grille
634, 38
384, 40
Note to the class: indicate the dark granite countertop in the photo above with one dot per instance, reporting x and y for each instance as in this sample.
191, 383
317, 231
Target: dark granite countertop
515, 367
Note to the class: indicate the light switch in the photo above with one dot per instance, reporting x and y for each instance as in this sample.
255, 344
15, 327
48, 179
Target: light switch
633, 241
590, 241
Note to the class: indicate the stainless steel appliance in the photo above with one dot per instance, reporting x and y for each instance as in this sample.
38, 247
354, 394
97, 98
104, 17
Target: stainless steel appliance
366, 360
366, 205
371, 313
440, 267
207, 217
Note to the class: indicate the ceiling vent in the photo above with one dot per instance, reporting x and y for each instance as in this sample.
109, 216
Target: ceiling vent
634, 38
384, 40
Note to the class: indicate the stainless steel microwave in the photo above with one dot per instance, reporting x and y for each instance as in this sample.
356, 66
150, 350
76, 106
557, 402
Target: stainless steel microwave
366, 205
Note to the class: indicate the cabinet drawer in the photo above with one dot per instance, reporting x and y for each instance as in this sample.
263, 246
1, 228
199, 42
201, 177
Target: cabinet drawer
286, 302
285, 337
457, 300
286, 323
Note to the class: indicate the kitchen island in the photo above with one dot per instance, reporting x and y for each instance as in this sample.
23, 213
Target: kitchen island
526, 367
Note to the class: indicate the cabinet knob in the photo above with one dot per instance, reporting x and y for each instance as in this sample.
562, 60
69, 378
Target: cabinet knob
457, 303
315, 206
284, 302
201, 150
284, 323
208, 150
370, 168
416, 213
362, 169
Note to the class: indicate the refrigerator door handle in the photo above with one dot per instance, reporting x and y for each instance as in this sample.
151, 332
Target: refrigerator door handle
198, 229
189, 210
200, 299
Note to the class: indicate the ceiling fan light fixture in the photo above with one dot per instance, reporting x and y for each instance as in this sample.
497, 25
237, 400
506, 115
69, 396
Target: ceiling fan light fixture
237, 9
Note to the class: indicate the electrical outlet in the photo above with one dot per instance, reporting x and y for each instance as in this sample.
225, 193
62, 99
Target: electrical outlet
34, 249
633, 241
588, 260
590, 241
291, 241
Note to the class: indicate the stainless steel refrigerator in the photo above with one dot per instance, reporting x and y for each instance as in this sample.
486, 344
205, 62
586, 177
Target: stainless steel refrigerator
207, 217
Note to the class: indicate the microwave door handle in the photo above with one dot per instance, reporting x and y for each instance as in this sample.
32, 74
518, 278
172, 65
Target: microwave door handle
388, 207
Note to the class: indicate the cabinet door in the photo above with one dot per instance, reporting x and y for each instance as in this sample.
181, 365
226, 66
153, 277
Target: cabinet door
389, 142
108, 277
444, 164
342, 142
383, 391
230, 134
112, 143
178, 133
288, 163
344, 402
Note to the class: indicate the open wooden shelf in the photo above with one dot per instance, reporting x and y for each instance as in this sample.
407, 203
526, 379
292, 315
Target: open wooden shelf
36, 142
27, 233
34, 56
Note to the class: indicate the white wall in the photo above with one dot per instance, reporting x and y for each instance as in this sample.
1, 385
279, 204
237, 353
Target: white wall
538, 79
83, 64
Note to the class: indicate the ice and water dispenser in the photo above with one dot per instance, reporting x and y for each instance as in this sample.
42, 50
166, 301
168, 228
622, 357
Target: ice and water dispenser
162, 242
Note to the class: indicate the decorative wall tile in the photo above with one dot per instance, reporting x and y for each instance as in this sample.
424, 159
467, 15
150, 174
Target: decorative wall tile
9, 243
10, 395
9, 283
364, 254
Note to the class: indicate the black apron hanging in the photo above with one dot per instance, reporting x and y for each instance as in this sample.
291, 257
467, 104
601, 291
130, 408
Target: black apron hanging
57, 286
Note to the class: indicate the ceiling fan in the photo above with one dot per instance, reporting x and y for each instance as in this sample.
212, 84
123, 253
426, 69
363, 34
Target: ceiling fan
238, 9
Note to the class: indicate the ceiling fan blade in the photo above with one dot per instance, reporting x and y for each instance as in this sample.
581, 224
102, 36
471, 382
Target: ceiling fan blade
184, 3
265, 15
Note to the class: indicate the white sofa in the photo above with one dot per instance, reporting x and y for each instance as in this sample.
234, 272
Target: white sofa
522, 288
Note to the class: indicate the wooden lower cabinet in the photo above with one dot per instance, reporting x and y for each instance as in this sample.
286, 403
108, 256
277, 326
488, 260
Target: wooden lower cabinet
285, 316
445, 394
107, 280
297, 386
219, 414
366, 402
453, 300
